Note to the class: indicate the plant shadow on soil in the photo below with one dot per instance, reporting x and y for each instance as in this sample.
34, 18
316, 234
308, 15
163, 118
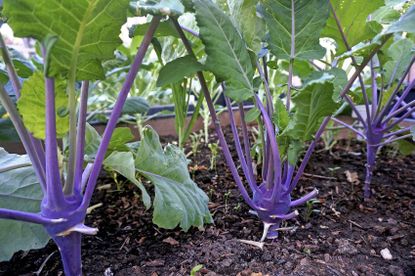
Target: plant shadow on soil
342, 236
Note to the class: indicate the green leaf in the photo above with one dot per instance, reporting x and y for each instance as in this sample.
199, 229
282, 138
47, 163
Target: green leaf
312, 104
88, 31
406, 147
92, 141
157, 7
165, 28
413, 133
400, 53
251, 26
123, 163
309, 17
280, 117
405, 24
336, 76
252, 115
176, 70
135, 105
119, 139
353, 17
32, 106
385, 15
178, 200
227, 56
19, 190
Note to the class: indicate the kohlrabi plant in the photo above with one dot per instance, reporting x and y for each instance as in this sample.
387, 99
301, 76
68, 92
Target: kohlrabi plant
51, 187
243, 46
384, 91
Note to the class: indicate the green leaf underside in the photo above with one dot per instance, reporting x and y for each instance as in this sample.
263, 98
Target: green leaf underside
352, 16
176, 70
123, 163
32, 106
88, 31
405, 24
227, 56
157, 7
135, 105
19, 190
400, 54
312, 104
310, 18
178, 200
165, 28
336, 76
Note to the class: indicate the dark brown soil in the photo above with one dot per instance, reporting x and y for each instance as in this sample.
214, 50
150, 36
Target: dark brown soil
339, 235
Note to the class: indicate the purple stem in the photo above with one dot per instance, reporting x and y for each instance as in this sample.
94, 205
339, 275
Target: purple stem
247, 172
26, 217
388, 104
374, 90
308, 154
70, 250
54, 191
404, 94
370, 166
304, 199
292, 56
247, 143
400, 110
286, 217
24, 136
366, 124
112, 123
354, 62
80, 149
85, 176
349, 127
391, 140
398, 121
398, 132
274, 146
11, 71
215, 119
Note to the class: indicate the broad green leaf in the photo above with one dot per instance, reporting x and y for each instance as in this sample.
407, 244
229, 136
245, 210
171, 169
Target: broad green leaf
406, 147
280, 117
123, 163
19, 190
405, 24
92, 141
227, 56
119, 139
165, 28
7, 131
312, 104
336, 76
353, 17
176, 70
178, 200
309, 17
251, 26
252, 115
385, 15
157, 7
135, 105
88, 31
32, 106
400, 54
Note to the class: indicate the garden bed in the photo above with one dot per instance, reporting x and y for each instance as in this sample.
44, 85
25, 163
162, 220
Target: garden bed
345, 237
